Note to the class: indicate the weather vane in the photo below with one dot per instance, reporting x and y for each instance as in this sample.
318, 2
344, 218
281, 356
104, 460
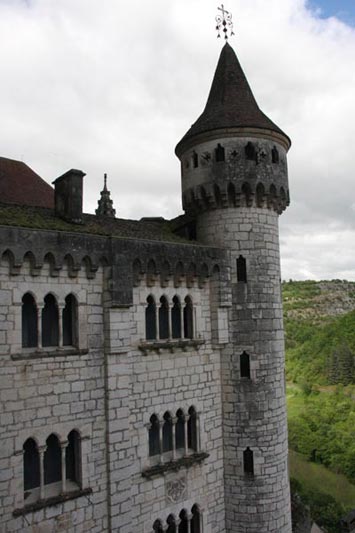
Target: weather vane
224, 23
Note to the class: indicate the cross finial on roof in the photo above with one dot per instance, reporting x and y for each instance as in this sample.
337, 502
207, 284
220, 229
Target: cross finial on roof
224, 23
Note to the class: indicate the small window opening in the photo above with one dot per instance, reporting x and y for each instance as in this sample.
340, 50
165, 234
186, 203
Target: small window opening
171, 524
150, 319
241, 269
184, 522
245, 365
188, 319
176, 318
250, 152
219, 153
275, 155
180, 430
195, 160
52, 460
248, 458
29, 322
31, 475
72, 458
154, 444
158, 527
70, 321
195, 520
192, 429
50, 322
167, 433
164, 318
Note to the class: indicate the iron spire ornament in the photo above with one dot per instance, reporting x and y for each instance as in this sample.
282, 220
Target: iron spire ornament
224, 23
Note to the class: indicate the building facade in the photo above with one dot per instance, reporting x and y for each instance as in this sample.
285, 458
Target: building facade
142, 383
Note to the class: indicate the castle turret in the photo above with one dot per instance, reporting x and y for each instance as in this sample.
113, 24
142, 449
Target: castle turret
234, 182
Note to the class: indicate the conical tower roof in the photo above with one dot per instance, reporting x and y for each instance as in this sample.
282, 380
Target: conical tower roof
231, 103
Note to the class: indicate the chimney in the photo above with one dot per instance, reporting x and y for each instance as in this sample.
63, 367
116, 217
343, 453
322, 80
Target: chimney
68, 196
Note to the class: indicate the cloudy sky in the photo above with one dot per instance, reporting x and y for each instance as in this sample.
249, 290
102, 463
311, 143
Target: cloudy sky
111, 86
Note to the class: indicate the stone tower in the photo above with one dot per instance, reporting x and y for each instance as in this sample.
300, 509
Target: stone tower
234, 184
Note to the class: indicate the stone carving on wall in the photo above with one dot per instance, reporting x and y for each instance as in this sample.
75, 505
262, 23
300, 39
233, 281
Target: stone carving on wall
176, 489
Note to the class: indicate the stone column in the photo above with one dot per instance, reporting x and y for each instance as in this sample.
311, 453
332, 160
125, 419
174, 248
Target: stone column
41, 451
63, 447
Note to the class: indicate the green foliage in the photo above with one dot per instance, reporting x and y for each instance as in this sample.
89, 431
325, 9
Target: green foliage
322, 428
324, 509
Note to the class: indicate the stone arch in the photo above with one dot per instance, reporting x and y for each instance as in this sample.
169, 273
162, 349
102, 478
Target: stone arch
150, 319
73, 457
54, 265
31, 466
34, 267
179, 273
167, 432
50, 321
180, 430
165, 273
272, 197
90, 268
152, 272
191, 274
29, 321
153, 436
203, 275
13, 262
204, 198
176, 318
158, 526
217, 195
164, 317
72, 267
247, 195
70, 321
188, 316
184, 521
52, 460
137, 272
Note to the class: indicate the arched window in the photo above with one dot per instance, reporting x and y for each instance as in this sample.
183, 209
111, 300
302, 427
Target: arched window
70, 321
248, 460
217, 195
260, 195
72, 458
29, 322
158, 527
184, 522
52, 460
171, 524
188, 319
180, 430
192, 429
194, 160
176, 318
167, 433
195, 520
31, 475
275, 155
250, 152
244, 365
219, 153
164, 318
231, 195
241, 269
154, 443
50, 320
150, 319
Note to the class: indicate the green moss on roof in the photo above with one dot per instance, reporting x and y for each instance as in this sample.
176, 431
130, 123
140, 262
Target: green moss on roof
44, 219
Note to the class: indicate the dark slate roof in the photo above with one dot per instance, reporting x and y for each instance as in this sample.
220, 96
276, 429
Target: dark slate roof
157, 229
19, 184
231, 103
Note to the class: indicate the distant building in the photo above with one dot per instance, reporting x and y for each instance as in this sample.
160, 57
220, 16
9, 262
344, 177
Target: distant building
142, 362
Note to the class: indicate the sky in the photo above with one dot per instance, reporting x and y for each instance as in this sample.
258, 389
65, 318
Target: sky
112, 86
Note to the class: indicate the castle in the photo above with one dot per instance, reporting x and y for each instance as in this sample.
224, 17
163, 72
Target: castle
142, 362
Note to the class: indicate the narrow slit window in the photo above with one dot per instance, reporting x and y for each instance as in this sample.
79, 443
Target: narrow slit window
29, 322
248, 459
245, 365
219, 153
31, 476
164, 318
158, 527
195, 520
52, 461
150, 319
192, 429
70, 320
194, 160
241, 269
176, 318
188, 319
73, 458
180, 430
275, 155
167, 433
154, 444
50, 322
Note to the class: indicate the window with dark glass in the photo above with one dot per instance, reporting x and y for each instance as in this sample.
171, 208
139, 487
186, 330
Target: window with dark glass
52, 460
69, 319
164, 318
50, 322
72, 458
176, 318
188, 319
31, 475
248, 458
154, 443
167, 433
245, 365
29, 322
241, 269
150, 319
